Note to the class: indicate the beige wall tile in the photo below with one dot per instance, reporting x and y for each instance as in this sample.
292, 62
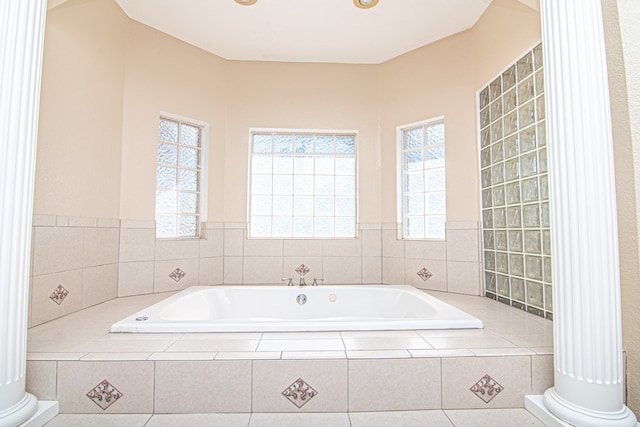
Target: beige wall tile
460, 374
44, 220
101, 246
108, 223
462, 225
162, 282
263, 247
99, 284
232, 270
233, 242
135, 278
272, 377
371, 242
393, 271
541, 373
177, 249
194, 420
303, 248
133, 379
202, 386
394, 384
463, 245
56, 249
342, 270
425, 249
391, 246
463, 277
296, 420
45, 309
494, 417
100, 420
262, 270
342, 247
211, 271
314, 264
41, 379
137, 244
212, 244
371, 269
82, 221
438, 269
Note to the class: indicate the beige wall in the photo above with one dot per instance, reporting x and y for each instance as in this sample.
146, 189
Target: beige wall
79, 144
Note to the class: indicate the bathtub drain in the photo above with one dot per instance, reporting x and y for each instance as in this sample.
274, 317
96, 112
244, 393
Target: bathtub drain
302, 299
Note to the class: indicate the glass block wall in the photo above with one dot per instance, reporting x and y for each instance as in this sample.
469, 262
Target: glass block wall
515, 196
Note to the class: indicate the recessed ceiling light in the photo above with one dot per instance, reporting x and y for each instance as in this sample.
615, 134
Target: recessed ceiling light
365, 4
246, 2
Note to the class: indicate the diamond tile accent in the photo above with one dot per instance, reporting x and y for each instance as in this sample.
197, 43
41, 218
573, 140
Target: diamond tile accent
177, 274
299, 392
302, 270
59, 294
486, 388
425, 274
104, 394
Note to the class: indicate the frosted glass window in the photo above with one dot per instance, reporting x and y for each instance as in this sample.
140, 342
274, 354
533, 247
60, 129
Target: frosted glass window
423, 199
302, 185
178, 175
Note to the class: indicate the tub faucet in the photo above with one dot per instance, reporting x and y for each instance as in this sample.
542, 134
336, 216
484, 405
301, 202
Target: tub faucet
302, 282
289, 280
315, 281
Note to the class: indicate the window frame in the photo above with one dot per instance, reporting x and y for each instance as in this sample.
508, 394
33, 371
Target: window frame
310, 132
400, 175
201, 208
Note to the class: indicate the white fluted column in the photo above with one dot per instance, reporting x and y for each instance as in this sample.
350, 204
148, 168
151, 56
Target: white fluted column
21, 43
588, 368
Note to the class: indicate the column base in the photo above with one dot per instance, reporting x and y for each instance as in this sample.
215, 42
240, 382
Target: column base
46, 411
18, 413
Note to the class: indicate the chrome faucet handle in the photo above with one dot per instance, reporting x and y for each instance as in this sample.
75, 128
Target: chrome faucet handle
289, 280
302, 282
315, 281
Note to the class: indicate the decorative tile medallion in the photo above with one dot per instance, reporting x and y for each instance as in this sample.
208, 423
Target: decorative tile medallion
177, 274
486, 388
425, 274
59, 294
104, 394
299, 392
302, 270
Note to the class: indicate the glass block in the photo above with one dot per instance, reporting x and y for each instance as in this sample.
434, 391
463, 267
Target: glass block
485, 137
435, 134
188, 180
324, 185
303, 144
188, 203
345, 144
548, 298
540, 108
498, 196
514, 217
166, 201
510, 101
534, 267
282, 226
486, 178
529, 164
260, 205
497, 152
167, 154
166, 226
324, 165
345, 185
414, 204
537, 56
261, 184
324, 206
533, 241
539, 79
546, 262
283, 165
496, 131
487, 218
303, 165
496, 109
542, 160
531, 216
190, 135
511, 123
302, 227
485, 157
527, 114
435, 227
544, 188
513, 193
511, 146
512, 170
302, 206
497, 173
484, 97
530, 190
436, 203
495, 89
499, 218
526, 90
515, 240
485, 117
490, 260
189, 157
516, 264
345, 227
283, 205
187, 226
517, 289
283, 184
542, 134
260, 226
168, 131
487, 198
535, 294
490, 281
347, 166
488, 239
261, 143
500, 241
509, 78
434, 157
544, 215
345, 206
261, 164
413, 160
414, 227
502, 284
303, 185
525, 66
546, 242
414, 182
324, 145
435, 180
166, 177
527, 139
283, 144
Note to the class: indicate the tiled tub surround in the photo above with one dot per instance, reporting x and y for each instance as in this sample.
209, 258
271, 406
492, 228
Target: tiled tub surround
251, 372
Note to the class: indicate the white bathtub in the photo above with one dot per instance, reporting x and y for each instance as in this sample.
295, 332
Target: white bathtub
279, 308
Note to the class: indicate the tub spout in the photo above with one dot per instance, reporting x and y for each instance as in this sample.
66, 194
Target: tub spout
302, 282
